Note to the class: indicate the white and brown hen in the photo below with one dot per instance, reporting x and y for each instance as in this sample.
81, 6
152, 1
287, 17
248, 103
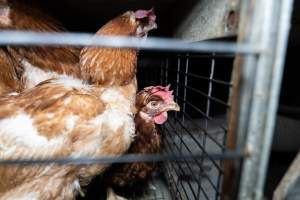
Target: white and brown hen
67, 117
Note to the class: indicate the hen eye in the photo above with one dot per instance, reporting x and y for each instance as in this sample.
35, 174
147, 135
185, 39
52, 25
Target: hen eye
154, 103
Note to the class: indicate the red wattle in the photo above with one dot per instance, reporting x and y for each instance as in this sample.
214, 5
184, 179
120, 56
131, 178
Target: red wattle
162, 118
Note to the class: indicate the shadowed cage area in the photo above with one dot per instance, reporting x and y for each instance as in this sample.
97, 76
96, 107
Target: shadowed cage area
201, 84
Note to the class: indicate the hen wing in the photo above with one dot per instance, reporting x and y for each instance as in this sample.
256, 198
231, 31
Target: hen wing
37, 64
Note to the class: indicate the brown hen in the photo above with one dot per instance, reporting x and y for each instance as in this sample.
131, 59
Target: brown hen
66, 117
152, 104
35, 64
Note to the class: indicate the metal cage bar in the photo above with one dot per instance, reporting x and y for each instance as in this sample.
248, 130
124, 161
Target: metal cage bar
84, 39
260, 78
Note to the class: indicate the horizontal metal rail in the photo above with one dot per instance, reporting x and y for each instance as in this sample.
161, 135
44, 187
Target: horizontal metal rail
127, 158
84, 39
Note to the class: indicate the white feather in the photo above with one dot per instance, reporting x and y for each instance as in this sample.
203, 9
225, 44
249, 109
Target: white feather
35, 75
19, 137
13, 94
20, 128
5, 18
71, 121
68, 81
75, 186
27, 196
116, 99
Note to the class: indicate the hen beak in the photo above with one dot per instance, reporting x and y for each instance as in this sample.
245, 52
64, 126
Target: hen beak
172, 106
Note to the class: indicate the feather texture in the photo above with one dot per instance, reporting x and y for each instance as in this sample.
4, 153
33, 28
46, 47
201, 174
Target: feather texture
150, 102
61, 60
56, 120
9, 81
66, 116
123, 66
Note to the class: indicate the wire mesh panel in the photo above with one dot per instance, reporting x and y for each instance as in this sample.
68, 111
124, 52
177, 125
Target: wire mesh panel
201, 84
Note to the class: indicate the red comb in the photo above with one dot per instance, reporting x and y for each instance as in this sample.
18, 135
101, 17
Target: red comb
161, 91
140, 14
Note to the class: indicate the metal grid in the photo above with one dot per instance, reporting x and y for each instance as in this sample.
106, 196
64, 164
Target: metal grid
195, 138
201, 83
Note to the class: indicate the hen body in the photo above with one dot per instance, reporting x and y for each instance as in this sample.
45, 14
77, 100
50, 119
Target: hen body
60, 118
146, 141
68, 117
33, 65
152, 104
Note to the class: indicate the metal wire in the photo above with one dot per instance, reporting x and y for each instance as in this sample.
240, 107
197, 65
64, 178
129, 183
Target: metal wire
209, 96
83, 39
185, 134
127, 158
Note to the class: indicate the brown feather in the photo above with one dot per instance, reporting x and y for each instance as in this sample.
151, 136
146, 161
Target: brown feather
49, 105
58, 59
9, 81
147, 141
66, 118
62, 60
97, 63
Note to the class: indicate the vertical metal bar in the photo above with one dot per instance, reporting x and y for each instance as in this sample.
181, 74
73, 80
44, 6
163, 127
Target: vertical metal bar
185, 83
177, 79
243, 78
247, 188
271, 31
207, 112
177, 92
211, 76
206, 123
283, 27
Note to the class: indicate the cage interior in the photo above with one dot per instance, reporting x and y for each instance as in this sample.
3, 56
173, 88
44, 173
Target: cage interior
201, 84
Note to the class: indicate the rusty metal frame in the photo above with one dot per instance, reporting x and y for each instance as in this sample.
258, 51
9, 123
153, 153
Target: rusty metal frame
230, 166
265, 23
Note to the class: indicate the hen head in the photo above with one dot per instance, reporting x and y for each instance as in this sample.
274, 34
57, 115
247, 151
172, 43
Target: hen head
110, 66
131, 23
154, 102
